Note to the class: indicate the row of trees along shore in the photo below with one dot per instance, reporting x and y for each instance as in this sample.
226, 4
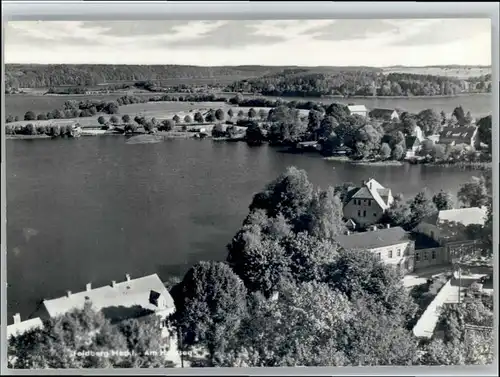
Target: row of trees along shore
331, 125
287, 295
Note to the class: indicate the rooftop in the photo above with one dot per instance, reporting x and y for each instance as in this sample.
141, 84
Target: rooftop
371, 190
373, 239
24, 326
129, 294
411, 141
457, 133
357, 108
381, 113
464, 216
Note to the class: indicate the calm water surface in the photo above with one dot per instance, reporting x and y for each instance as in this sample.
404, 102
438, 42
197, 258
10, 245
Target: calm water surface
93, 209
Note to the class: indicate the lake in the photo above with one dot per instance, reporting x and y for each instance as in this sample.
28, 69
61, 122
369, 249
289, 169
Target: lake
93, 209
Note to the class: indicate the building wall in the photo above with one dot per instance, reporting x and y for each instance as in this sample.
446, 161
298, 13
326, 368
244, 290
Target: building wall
430, 257
430, 230
364, 212
399, 255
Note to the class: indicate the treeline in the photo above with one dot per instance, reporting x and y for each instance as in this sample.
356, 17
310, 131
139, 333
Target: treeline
45, 76
354, 83
53, 130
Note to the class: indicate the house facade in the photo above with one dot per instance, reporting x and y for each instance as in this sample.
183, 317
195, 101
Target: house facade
366, 204
384, 114
392, 246
460, 135
360, 110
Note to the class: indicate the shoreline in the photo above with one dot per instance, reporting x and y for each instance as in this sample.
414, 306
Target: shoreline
175, 135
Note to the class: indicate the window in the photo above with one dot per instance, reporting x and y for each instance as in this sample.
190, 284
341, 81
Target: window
374, 214
378, 256
364, 213
425, 255
359, 212
369, 203
433, 254
399, 252
389, 254
417, 256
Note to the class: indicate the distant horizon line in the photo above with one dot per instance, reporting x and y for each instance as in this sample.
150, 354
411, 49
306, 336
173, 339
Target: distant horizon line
265, 65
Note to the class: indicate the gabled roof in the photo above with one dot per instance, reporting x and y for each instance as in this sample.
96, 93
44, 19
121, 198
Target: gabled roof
457, 134
24, 326
134, 293
382, 113
357, 108
411, 141
373, 239
370, 190
464, 216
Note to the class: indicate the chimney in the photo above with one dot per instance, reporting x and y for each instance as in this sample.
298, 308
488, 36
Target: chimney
128, 277
68, 293
17, 318
113, 283
88, 287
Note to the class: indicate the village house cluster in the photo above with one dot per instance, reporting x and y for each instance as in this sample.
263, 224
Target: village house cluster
465, 135
436, 241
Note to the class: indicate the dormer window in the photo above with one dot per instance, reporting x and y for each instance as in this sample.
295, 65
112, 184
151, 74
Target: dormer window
156, 299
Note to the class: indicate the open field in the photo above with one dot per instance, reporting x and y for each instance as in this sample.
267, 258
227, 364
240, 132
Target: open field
19, 104
158, 110
459, 72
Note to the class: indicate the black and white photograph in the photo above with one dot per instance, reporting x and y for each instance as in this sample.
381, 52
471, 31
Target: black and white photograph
249, 193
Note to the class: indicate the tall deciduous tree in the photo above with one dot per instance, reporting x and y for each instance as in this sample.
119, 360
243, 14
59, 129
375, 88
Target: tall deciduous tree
473, 193
290, 194
429, 121
219, 115
198, 117
210, 301
443, 200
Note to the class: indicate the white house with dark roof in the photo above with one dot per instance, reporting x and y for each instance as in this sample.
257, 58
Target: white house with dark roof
366, 204
132, 298
393, 246
360, 110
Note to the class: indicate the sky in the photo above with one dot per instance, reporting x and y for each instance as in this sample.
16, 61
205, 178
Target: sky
369, 42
